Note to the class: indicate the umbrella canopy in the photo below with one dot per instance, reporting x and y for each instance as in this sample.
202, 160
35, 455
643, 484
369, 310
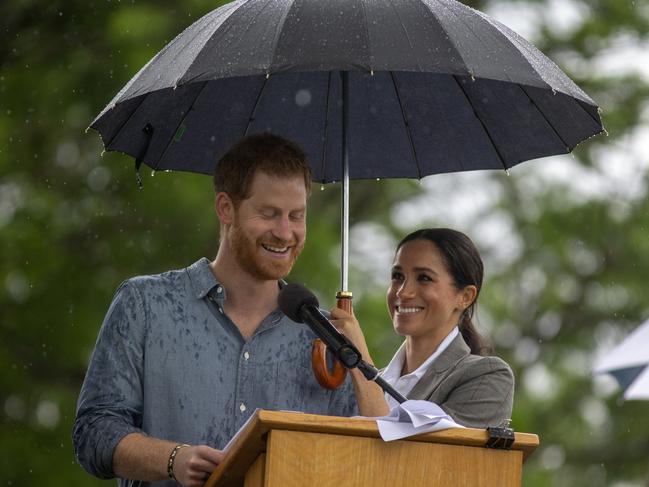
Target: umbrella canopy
432, 86
629, 363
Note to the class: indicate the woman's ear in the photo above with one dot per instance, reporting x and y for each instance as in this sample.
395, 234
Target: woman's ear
467, 296
224, 208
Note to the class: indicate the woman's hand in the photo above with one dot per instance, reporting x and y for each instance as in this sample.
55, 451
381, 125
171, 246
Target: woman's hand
348, 325
369, 396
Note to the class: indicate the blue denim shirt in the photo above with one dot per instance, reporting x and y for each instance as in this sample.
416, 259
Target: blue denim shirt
169, 363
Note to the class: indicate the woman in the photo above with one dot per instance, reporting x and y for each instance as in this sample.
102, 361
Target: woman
436, 279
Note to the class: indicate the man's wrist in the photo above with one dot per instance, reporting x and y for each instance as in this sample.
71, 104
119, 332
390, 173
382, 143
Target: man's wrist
172, 459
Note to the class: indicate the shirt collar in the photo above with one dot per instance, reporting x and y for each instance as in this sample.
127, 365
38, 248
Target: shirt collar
393, 370
202, 279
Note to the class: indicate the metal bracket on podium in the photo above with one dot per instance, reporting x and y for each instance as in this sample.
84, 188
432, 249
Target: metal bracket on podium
501, 436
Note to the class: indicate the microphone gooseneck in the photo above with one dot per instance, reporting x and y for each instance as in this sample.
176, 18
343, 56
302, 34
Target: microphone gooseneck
301, 306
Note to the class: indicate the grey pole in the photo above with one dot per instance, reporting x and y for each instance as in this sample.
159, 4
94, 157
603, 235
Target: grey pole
344, 225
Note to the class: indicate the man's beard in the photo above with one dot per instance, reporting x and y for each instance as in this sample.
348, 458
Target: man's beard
246, 253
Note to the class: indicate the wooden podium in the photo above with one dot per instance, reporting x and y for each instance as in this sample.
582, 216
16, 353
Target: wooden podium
287, 449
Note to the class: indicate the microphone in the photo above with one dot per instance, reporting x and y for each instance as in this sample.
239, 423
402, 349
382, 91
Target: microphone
301, 305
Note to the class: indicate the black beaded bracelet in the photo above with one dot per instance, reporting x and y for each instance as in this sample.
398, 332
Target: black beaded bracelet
172, 458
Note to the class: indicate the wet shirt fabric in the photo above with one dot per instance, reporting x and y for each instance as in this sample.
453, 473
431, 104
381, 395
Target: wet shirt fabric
169, 363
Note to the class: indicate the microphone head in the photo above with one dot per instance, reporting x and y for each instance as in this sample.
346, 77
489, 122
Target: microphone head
291, 299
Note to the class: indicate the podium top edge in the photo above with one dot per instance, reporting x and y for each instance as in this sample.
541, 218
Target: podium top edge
250, 440
363, 426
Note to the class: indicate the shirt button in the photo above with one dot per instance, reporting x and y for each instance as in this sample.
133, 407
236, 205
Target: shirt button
246, 355
219, 289
242, 407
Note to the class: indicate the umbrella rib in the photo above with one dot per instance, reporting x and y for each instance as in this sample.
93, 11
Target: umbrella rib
407, 125
484, 126
326, 127
598, 122
251, 117
367, 33
544, 117
106, 144
278, 33
164, 152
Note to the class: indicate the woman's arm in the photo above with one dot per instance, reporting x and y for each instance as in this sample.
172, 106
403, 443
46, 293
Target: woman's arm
370, 398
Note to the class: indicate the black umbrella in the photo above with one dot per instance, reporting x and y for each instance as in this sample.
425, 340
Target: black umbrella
370, 89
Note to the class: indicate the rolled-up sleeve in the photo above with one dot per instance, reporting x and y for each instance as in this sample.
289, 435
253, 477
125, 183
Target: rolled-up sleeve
110, 403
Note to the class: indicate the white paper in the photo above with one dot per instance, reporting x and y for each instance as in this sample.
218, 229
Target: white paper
414, 417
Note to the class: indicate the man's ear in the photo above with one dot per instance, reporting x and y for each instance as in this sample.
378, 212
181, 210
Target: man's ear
224, 208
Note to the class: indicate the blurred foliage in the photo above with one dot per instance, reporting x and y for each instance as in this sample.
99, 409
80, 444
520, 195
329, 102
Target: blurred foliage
74, 225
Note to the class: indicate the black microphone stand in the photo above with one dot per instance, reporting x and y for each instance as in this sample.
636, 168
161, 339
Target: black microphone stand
372, 373
344, 350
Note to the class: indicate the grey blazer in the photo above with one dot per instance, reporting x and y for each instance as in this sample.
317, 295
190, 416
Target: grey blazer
475, 391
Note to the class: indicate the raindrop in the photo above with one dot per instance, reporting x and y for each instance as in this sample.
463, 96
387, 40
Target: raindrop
17, 286
153, 173
99, 178
303, 97
553, 457
47, 413
14, 407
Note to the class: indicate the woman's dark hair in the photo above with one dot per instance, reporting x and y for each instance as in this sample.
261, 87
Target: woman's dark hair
464, 264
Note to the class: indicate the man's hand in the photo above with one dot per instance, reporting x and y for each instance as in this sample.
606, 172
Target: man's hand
142, 457
193, 465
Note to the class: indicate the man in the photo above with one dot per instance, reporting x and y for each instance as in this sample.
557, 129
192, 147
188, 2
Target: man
183, 358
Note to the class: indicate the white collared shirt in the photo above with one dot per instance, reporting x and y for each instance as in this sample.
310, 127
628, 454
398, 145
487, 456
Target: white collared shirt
405, 383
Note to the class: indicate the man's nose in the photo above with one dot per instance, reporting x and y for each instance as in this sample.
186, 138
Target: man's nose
283, 229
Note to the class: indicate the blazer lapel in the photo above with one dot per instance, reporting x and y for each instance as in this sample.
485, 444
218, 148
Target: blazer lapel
440, 368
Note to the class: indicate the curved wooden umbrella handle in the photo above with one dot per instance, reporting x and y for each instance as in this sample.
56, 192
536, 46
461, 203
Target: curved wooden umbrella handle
330, 380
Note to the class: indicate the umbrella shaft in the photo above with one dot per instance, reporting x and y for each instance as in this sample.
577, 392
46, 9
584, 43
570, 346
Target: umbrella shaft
344, 221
